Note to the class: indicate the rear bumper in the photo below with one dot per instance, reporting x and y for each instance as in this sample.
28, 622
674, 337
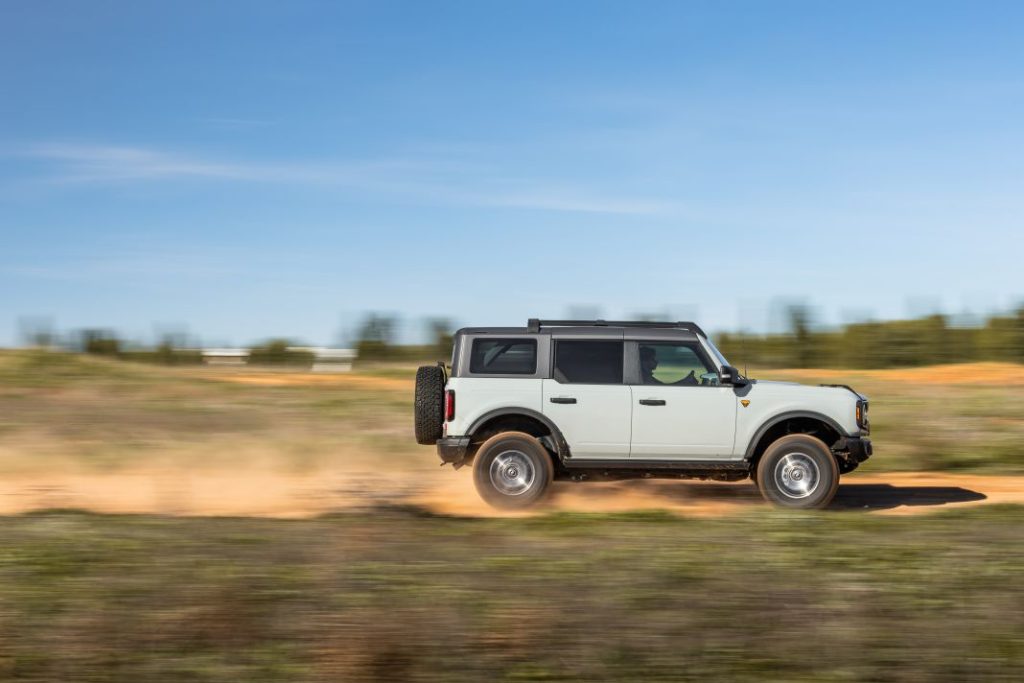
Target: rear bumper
452, 449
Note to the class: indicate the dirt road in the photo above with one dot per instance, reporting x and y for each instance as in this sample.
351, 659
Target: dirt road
254, 492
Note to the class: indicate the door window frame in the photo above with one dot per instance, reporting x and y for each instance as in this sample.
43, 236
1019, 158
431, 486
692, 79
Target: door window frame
584, 340
632, 371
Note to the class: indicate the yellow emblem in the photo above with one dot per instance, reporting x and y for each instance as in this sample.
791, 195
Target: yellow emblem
745, 402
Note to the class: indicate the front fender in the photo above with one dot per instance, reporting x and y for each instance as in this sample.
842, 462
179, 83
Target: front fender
789, 415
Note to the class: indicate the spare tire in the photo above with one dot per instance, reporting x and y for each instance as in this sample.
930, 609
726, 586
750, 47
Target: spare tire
429, 407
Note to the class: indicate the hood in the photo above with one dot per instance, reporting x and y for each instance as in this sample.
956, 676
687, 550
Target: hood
859, 395
809, 394
810, 388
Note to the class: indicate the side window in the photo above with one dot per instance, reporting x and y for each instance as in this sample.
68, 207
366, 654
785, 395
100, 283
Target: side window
674, 364
588, 362
503, 357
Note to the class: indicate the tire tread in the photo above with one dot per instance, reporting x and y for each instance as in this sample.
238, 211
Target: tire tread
429, 404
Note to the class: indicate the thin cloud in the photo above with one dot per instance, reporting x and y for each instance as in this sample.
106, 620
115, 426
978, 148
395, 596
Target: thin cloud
100, 163
427, 181
235, 123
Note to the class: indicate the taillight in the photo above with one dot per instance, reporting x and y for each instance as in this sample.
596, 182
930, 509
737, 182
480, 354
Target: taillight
449, 405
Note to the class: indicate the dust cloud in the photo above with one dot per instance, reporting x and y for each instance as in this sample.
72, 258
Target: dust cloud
274, 493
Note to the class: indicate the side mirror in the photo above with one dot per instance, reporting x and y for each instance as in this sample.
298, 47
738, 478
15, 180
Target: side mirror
731, 375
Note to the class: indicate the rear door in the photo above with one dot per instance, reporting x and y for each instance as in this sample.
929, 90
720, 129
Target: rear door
680, 410
587, 398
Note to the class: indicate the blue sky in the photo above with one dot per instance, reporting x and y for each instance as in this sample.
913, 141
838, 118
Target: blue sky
248, 169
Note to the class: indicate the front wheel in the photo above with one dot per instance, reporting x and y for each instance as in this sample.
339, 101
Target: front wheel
512, 471
798, 471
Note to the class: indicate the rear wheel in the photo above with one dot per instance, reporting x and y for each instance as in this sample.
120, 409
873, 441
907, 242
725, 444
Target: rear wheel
429, 404
798, 471
512, 471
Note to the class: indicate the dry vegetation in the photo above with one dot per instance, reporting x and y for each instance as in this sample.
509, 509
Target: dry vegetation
91, 414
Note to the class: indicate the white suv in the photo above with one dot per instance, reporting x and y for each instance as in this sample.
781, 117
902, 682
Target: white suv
583, 400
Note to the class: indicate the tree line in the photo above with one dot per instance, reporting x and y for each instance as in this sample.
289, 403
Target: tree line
930, 340
375, 339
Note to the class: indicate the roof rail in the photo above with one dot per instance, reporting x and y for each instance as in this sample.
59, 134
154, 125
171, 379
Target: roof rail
534, 325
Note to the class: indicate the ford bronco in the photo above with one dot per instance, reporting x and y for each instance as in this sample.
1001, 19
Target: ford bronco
590, 400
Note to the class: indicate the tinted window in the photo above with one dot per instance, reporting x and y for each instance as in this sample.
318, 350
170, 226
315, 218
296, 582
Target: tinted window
677, 364
588, 362
503, 357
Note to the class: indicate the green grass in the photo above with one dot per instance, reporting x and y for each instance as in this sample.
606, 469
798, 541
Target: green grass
399, 595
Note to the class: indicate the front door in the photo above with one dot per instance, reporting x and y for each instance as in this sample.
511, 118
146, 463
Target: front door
680, 411
588, 400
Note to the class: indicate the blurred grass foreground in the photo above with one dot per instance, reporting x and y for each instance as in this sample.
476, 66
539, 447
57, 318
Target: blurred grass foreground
402, 596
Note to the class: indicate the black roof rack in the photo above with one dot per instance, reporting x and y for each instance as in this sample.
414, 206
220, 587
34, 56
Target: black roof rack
533, 325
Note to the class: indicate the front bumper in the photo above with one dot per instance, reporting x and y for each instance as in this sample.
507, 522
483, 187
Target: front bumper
855, 448
453, 449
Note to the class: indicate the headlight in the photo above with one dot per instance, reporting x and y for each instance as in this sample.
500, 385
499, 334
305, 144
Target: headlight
862, 414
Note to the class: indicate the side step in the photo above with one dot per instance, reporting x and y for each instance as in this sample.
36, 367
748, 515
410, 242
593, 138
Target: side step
733, 470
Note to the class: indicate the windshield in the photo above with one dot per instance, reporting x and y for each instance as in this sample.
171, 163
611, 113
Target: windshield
718, 354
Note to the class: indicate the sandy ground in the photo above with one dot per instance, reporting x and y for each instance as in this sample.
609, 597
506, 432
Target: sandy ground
289, 495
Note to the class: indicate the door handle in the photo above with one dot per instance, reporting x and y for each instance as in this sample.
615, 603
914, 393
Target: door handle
652, 402
562, 399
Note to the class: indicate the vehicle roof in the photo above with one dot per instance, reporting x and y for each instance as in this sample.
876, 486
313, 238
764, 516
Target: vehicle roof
595, 329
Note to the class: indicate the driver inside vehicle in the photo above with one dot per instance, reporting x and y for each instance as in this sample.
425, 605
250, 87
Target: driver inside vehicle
649, 363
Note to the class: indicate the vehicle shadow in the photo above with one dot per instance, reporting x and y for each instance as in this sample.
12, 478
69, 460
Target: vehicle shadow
851, 496
887, 496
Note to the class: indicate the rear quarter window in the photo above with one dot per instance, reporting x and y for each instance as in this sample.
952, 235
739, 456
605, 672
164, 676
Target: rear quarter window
503, 357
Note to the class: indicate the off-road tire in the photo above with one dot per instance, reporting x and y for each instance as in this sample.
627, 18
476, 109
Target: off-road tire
429, 404
512, 471
798, 471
